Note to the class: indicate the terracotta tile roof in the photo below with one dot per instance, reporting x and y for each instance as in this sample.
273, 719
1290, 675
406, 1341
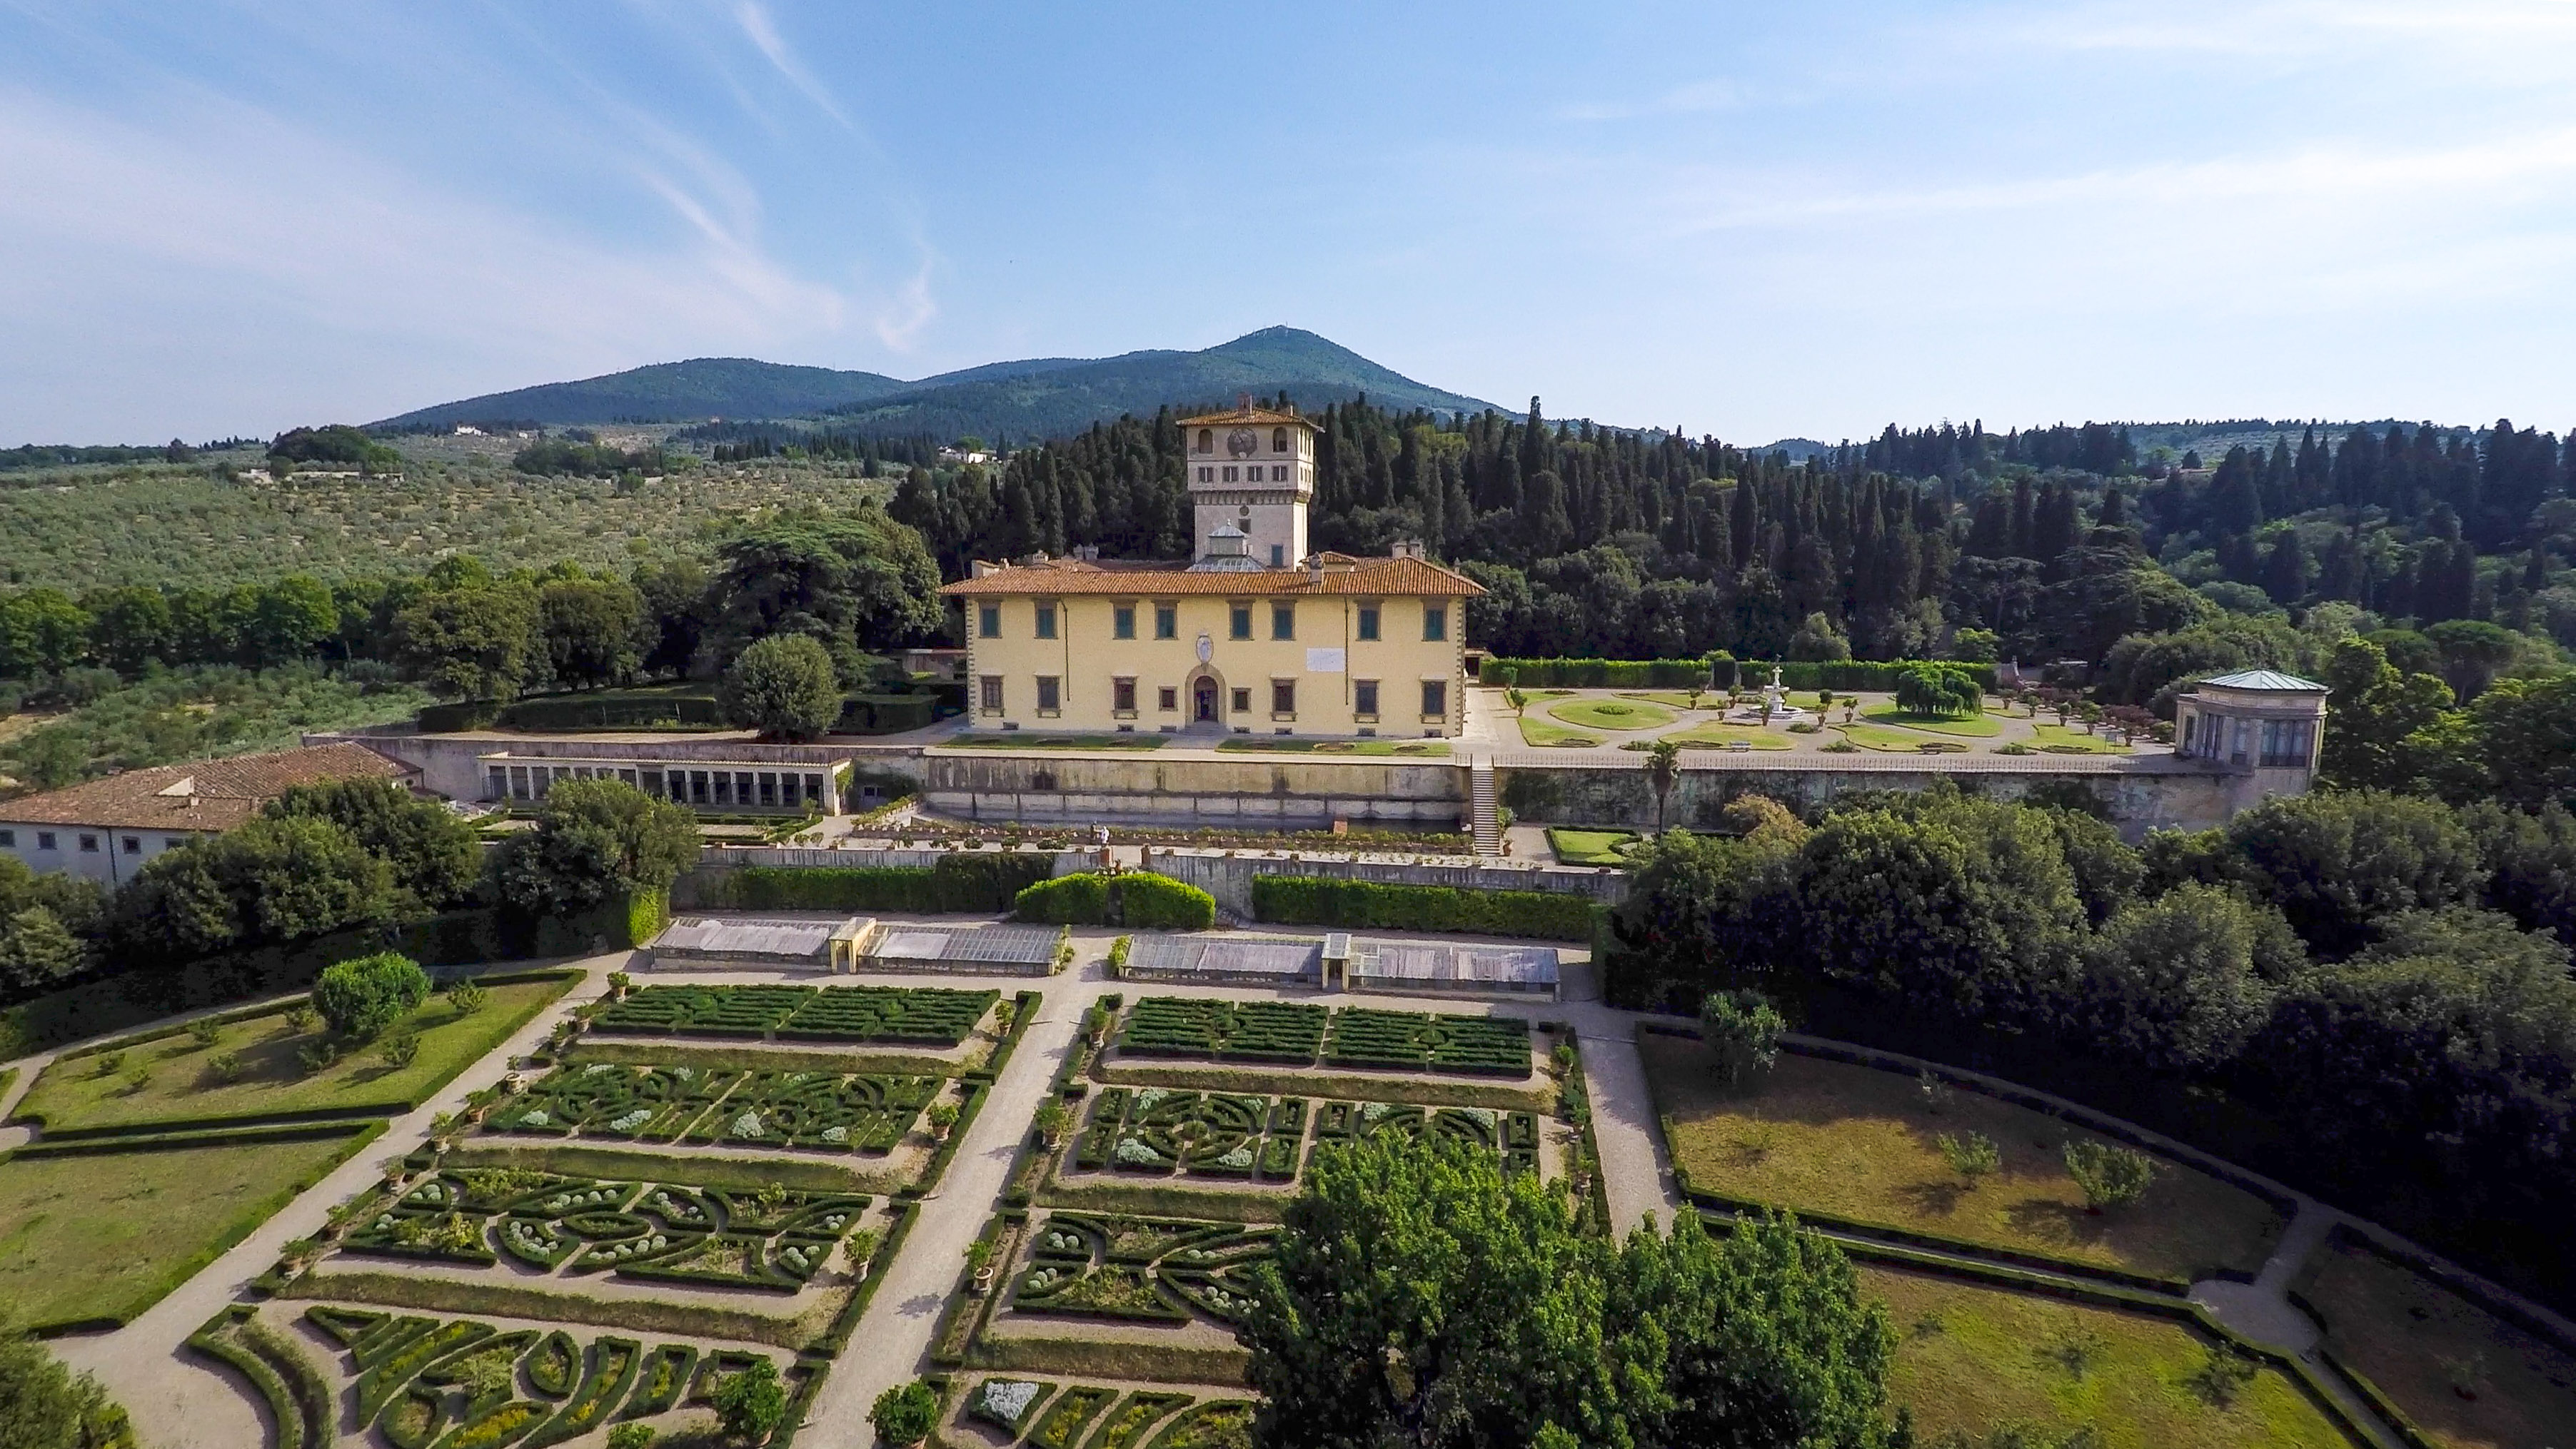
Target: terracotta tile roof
1343, 575
200, 795
1247, 415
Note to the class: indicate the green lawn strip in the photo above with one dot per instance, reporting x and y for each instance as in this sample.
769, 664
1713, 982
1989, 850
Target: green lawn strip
90, 1239
8, 1075
1273, 745
2061, 739
1540, 734
80, 1094
1152, 1363
1874, 737
1940, 724
1676, 699
2416, 1344
633, 1315
1587, 847
1970, 1357
1016, 741
1149, 1199
1855, 1143
1718, 737
1610, 714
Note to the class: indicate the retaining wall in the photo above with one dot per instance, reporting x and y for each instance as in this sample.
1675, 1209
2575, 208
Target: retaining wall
1252, 793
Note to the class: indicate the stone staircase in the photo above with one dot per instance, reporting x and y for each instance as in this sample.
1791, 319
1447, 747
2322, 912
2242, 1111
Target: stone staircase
1485, 821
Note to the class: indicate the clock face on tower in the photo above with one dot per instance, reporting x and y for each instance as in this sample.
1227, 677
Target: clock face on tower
1241, 443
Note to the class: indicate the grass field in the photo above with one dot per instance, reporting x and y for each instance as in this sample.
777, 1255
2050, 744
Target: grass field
1587, 847
105, 1235
2054, 734
1676, 699
1611, 714
1718, 736
1857, 1143
1017, 741
1544, 735
1879, 737
1974, 1359
180, 1085
2419, 1343
1257, 744
1978, 725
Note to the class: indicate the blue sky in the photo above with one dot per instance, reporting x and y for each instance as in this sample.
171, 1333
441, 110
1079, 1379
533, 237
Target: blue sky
1751, 220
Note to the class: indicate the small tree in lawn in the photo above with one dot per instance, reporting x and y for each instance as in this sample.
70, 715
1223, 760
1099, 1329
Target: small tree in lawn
906, 1413
1663, 771
1742, 1030
1972, 1155
749, 1404
783, 686
360, 998
2110, 1176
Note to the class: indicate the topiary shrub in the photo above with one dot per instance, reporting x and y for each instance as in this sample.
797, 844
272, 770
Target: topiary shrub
360, 998
1143, 900
1067, 900
906, 1413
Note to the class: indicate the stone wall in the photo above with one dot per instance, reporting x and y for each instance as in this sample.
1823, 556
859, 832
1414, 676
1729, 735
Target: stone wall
1253, 793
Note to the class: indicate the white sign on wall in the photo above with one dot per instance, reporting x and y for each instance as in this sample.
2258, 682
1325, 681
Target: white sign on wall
1324, 661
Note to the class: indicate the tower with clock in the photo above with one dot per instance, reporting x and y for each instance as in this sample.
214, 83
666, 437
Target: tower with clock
1251, 474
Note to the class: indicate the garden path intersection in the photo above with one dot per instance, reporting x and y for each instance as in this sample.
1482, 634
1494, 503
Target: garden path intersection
178, 1401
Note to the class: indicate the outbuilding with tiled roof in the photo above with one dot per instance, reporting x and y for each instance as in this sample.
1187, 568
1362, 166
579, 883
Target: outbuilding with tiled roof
104, 829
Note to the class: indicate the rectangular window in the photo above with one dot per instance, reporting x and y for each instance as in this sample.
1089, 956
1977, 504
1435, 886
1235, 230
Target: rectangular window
768, 788
1283, 621
1283, 699
1122, 695
89, 844
1243, 701
45, 840
1207, 475
1278, 472
1046, 621
1230, 476
1050, 694
1167, 621
1368, 622
991, 685
1122, 621
988, 621
1238, 622
131, 845
698, 787
724, 788
814, 785
496, 783
1278, 555
1435, 700
1364, 698
1435, 623
8, 840
1167, 699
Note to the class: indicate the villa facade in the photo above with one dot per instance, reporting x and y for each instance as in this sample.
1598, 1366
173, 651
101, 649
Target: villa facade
1257, 635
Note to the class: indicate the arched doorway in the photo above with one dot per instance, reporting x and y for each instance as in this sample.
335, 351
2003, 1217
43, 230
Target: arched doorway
1206, 699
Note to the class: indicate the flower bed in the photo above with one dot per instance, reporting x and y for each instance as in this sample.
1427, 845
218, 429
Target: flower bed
1487, 1045
1255, 1031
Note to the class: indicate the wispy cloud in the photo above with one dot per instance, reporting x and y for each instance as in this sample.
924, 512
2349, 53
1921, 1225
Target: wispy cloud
755, 21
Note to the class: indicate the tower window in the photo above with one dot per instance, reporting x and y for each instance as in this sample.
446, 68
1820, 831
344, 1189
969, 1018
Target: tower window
1207, 475
1279, 440
1279, 555
1207, 441
1231, 474
1278, 472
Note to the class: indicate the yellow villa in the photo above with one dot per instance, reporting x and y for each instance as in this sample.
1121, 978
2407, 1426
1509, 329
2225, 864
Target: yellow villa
1255, 636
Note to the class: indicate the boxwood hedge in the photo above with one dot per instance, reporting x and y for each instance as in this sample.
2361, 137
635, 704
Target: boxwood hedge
1139, 900
1316, 901
975, 882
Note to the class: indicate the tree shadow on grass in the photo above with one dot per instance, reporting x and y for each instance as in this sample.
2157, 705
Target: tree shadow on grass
2057, 1222
1936, 1199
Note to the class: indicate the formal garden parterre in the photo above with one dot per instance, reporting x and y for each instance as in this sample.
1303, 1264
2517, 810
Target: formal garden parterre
819, 1110
911, 1015
1288, 1033
1046, 1414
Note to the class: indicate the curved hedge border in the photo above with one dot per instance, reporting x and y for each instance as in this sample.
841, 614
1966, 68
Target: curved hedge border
1316, 901
215, 1339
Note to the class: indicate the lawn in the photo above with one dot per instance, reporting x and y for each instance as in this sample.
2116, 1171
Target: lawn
1973, 1359
1543, 734
1257, 744
1940, 724
1611, 714
82, 1091
1716, 736
105, 1235
1875, 737
1017, 741
2410, 1336
1857, 1143
1678, 699
1587, 847
2054, 734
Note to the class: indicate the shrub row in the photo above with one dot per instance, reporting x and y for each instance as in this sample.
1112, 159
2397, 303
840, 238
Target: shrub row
1142, 901
1318, 901
977, 882
1878, 676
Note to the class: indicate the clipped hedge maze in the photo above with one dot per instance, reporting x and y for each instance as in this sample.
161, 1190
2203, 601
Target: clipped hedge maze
1207, 1134
1487, 1045
1513, 1134
423, 1383
1142, 1270
1234, 1031
772, 1239
810, 1111
909, 1015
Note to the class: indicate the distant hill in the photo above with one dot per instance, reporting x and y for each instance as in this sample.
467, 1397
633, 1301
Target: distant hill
1798, 449
666, 392
1037, 397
